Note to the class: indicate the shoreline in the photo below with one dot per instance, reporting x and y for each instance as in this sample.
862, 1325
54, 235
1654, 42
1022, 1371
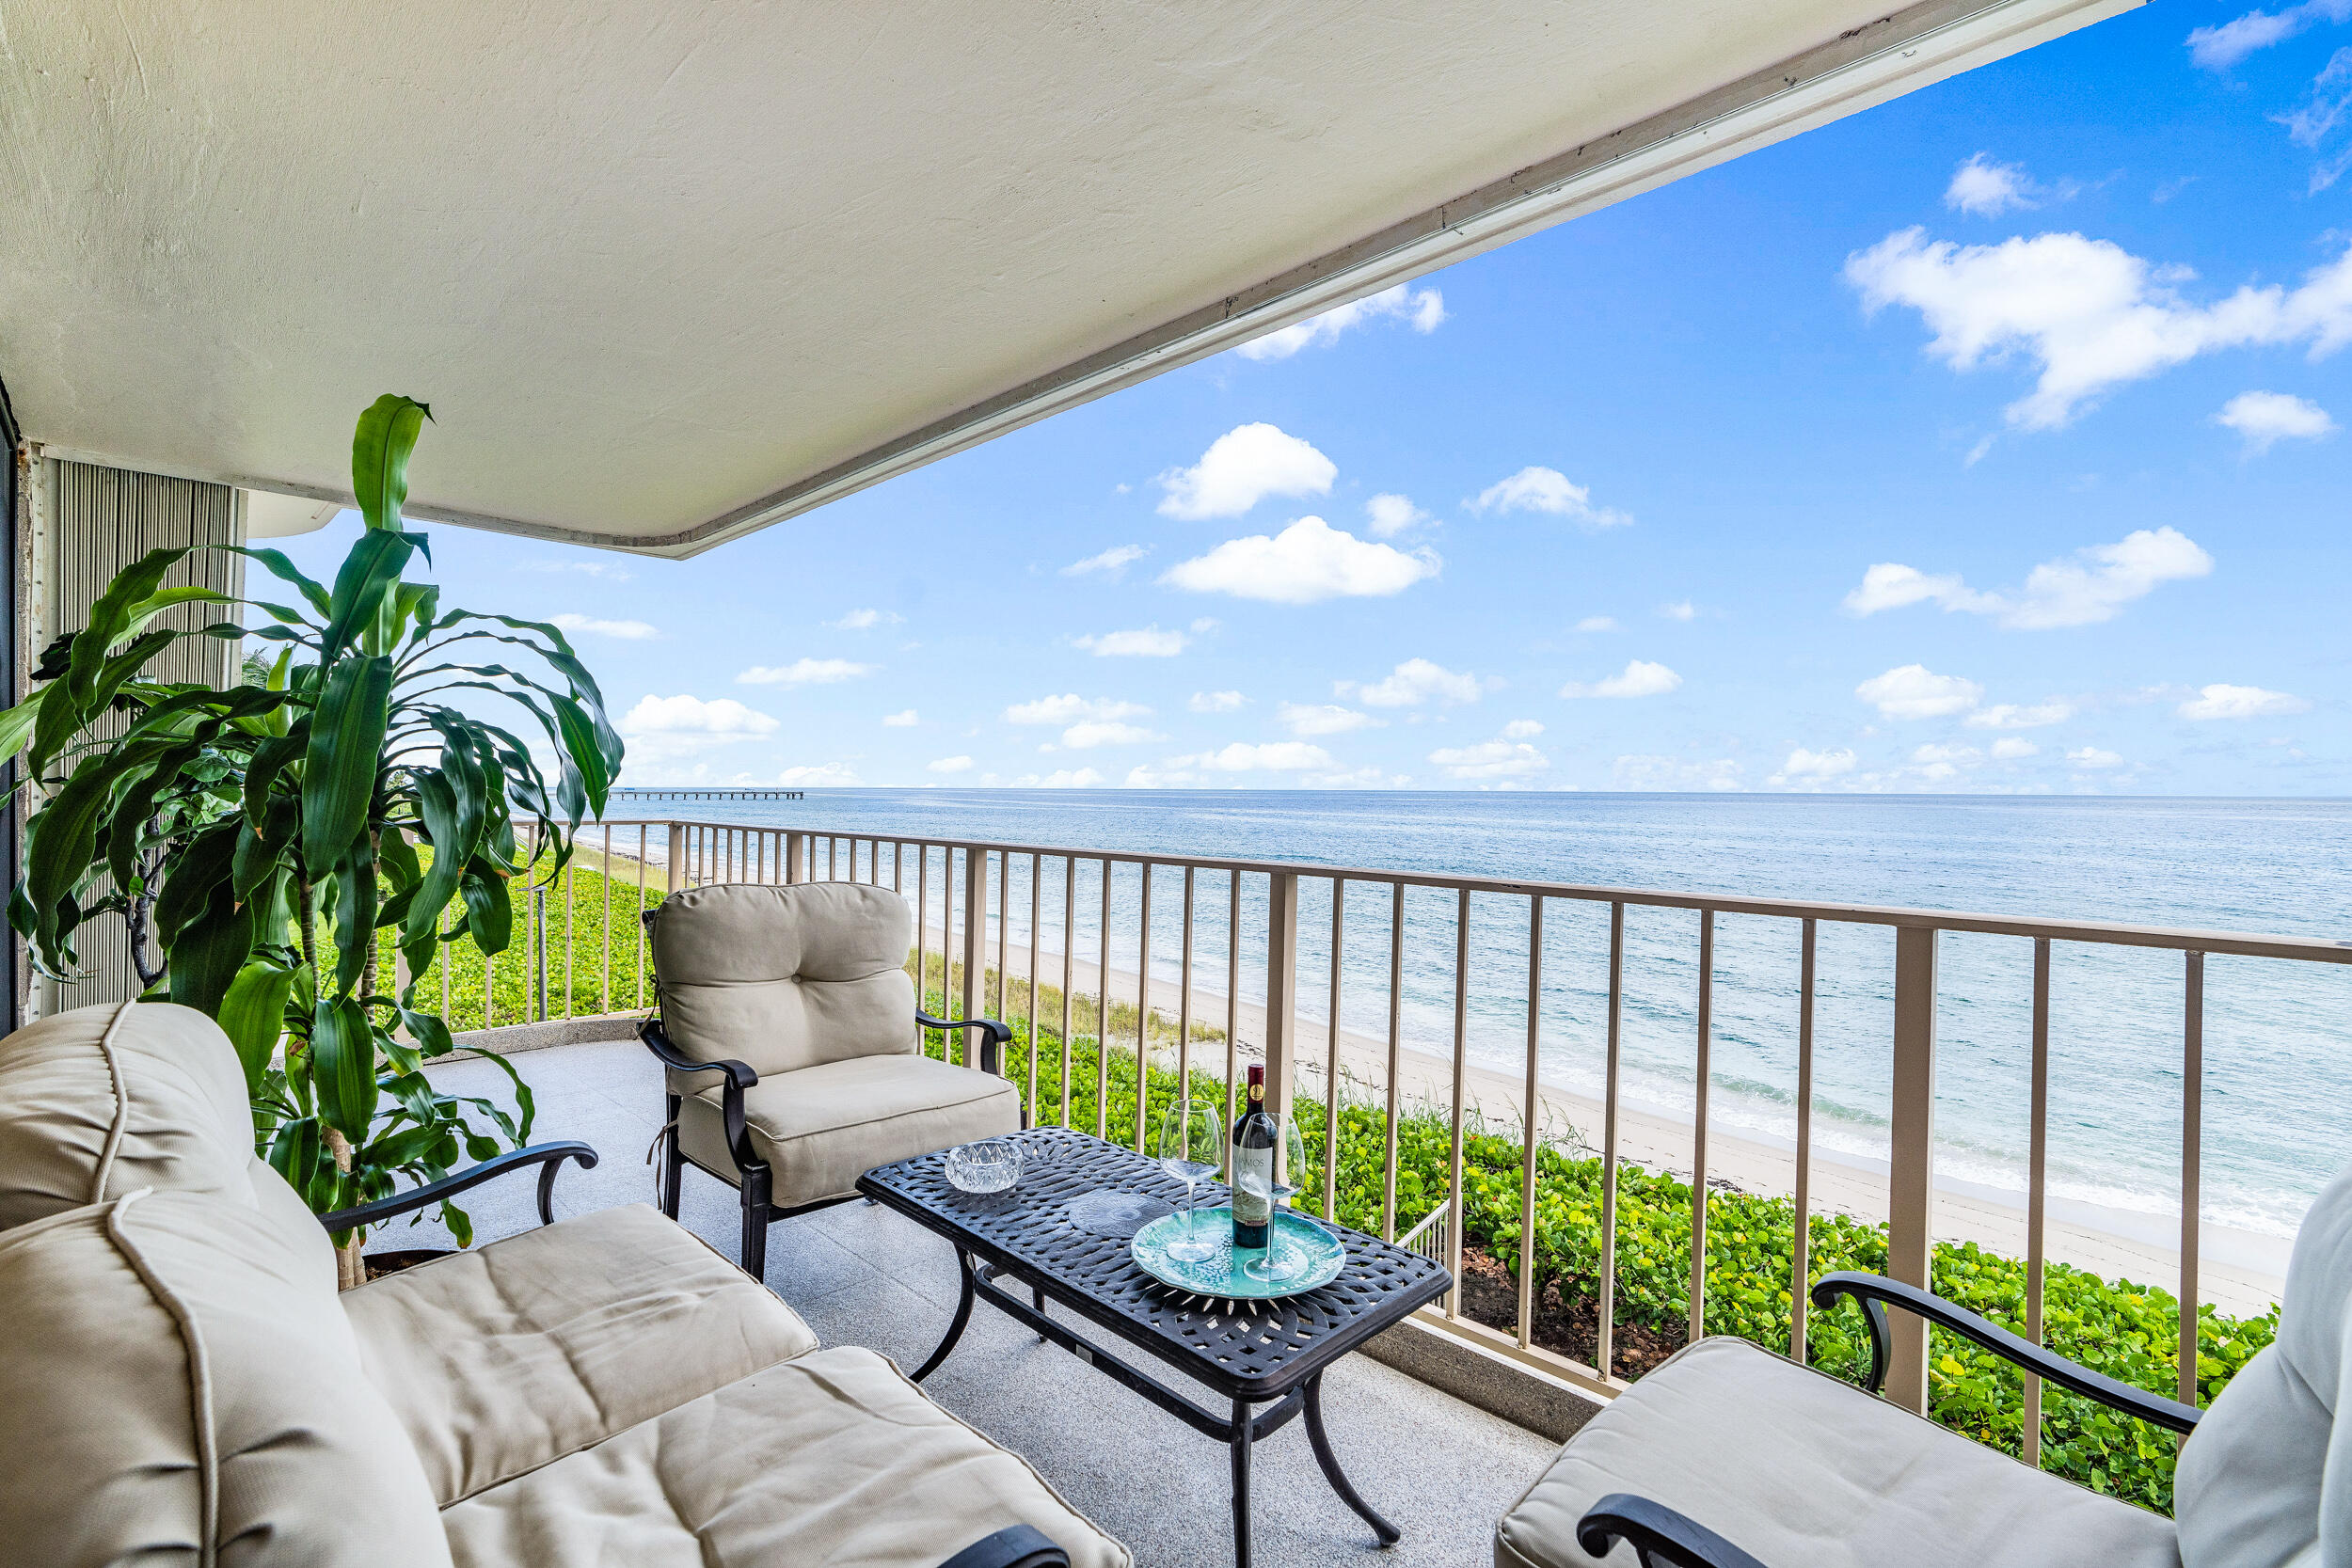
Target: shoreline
2240, 1272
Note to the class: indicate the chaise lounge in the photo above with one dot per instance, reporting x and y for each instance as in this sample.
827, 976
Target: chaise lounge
183, 1382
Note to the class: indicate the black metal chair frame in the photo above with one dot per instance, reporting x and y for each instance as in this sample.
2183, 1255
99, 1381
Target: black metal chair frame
549, 1156
1662, 1538
752, 1179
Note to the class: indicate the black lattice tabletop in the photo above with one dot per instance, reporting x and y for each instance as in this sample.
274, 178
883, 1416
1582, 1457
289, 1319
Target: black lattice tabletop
1250, 1351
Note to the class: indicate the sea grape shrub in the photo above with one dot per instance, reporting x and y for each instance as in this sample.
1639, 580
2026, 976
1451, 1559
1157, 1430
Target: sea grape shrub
2124, 1330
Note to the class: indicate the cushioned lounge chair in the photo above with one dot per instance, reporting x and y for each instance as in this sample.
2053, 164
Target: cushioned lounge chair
180, 1382
1728, 1456
787, 1030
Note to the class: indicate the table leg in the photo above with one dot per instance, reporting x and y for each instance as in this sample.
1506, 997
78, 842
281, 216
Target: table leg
1241, 1483
955, 1326
1389, 1535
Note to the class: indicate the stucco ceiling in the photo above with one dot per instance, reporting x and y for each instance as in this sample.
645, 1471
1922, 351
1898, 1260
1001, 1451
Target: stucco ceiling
669, 273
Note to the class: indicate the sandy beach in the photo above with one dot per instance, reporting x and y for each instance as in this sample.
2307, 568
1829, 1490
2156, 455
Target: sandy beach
2240, 1272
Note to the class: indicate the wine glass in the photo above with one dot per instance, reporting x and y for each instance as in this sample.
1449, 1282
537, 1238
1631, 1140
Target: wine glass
1189, 1145
1277, 1263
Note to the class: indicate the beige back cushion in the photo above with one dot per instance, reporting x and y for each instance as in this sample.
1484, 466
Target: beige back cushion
181, 1387
2265, 1480
784, 977
103, 1100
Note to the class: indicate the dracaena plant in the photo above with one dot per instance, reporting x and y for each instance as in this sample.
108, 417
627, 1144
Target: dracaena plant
270, 844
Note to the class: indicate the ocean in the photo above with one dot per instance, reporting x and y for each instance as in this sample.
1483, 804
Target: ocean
2277, 1036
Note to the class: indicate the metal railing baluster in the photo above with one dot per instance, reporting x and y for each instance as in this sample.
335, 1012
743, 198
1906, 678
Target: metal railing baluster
1396, 1061
1331, 1057
1605, 1348
1143, 1004
1706, 1075
1461, 1072
1102, 1014
2037, 1190
1801, 1247
2192, 1162
1068, 951
1184, 1003
1528, 1120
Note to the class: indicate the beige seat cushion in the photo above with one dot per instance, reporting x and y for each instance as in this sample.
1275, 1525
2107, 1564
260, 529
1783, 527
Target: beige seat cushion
504, 1358
180, 1388
833, 1458
823, 1127
1802, 1471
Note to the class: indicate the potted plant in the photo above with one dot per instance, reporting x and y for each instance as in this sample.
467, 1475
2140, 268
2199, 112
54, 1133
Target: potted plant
271, 843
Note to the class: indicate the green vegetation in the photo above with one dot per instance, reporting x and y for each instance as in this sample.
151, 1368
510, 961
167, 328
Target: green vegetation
2127, 1331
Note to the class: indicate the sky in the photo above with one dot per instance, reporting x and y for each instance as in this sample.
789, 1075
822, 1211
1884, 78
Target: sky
1987, 441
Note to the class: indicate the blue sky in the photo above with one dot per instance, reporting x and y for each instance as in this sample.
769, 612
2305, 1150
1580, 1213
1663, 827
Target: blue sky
1985, 441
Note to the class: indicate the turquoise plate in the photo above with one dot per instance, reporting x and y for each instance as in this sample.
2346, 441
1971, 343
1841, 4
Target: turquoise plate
1314, 1251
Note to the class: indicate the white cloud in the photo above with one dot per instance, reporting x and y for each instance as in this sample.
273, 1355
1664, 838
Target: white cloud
866, 620
904, 718
950, 765
2093, 757
1522, 729
805, 672
2014, 748
1392, 515
2088, 312
1597, 622
608, 572
1070, 708
1423, 308
629, 631
2265, 417
1203, 624
2093, 586
1548, 490
1306, 563
2219, 48
1681, 609
1217, 702
1088, 735
723, 718
1674, 773
2013, 716
1241, 469
1639, 678
1144, 643
1491, 759
1412, 683
1805, 767
1113, 562
1322, 719
1913, 691
1083, 778
1986, 189
1277, 756
828, 775
2240, 702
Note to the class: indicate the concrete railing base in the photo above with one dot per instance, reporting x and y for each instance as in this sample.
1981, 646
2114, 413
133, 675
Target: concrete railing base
1522, 1395
508, 1039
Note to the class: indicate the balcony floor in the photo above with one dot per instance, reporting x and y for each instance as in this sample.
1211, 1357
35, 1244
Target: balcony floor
1441, 1470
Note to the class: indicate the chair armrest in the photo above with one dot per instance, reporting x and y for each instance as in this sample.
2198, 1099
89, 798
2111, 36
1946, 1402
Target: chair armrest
1019, 1546
740, 1075
994, 1037
1871, 1290
548, 1157
1659, 1537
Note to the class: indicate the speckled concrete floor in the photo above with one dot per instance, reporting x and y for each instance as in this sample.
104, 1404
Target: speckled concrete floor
860, 1275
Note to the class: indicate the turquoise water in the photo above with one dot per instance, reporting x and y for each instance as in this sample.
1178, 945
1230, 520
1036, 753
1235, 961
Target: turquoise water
2277, 1034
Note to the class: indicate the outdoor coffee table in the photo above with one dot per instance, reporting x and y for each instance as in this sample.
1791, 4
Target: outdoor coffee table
1273, 1356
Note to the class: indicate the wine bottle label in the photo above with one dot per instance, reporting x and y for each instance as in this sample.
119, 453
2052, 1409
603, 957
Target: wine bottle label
1253, 1186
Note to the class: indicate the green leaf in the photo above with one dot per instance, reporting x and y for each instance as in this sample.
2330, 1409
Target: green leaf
253, 1016
342, 1065
16, 724
275, 562
489, 914
205, 958
339, 764
110, 618
380, 444
369, 575
189, 880
355, 914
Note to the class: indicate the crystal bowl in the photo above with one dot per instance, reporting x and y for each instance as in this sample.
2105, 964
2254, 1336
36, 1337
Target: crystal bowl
990, 1165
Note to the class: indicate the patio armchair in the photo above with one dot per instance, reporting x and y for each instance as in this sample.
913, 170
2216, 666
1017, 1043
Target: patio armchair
1728, 1456
787, 1036
181, 1382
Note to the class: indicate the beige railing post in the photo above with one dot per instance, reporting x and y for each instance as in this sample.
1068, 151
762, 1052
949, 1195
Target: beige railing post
1911, 1183
1282, 989
976, 939
796, 857
676, 869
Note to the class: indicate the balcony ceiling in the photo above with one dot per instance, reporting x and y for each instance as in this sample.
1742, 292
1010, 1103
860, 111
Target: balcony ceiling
668, 273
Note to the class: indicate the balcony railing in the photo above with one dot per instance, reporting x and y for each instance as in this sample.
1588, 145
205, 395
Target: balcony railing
970, 897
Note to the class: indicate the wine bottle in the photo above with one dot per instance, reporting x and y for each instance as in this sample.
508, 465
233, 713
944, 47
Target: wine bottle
1256, 1136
